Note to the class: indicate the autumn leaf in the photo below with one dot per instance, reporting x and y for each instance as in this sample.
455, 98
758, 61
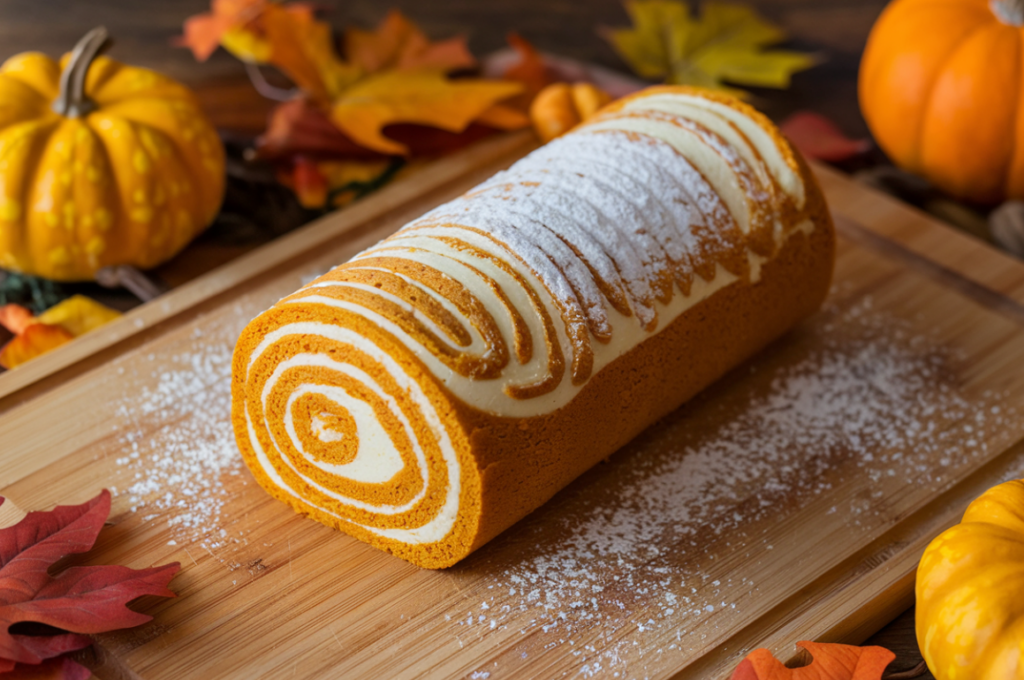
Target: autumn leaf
302, 128
36, 335
37, 339
818, 137
725, 44
530, 70
78, 600
78, 315
421, 97
238, 21
299, 128
830, 662
16, 318
308, 183
399, 44
57, 668
303, 49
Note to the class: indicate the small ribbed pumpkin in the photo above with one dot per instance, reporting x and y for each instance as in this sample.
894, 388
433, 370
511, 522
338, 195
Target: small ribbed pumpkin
101, 164
942, 89
559, 107
970, 591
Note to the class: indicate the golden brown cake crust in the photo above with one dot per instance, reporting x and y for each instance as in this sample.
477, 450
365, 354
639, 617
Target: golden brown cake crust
524, 462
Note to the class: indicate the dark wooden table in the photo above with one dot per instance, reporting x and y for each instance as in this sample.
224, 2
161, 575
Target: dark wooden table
835, 30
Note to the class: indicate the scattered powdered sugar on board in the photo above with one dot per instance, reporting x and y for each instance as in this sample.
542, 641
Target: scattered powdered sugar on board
178, 469
866, 401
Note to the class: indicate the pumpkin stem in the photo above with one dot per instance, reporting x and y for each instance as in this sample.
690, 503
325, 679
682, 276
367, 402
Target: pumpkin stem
1010, 12
71, 100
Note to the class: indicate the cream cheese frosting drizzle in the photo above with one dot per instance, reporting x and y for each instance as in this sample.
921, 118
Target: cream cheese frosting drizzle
514, 295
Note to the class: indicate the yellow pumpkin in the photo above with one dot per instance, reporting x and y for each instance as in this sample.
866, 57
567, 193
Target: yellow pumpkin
941, 87
970, 592
101, 164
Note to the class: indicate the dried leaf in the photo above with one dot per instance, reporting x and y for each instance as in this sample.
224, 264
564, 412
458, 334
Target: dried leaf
78, 315
80, 600
726, 43
303, 48
301, 128
202, 33
530, 70
818, 137
830, 662
236, 22
399, 44
503, 116
421, 97
37, 339
36, 335
308, 183
16, 318
57, 668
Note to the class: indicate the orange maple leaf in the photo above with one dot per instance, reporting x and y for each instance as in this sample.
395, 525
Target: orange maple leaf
422, 97
263, 32
15, 318
830, 662
397, 43
303, 48
36, 339
37, 335
202, 33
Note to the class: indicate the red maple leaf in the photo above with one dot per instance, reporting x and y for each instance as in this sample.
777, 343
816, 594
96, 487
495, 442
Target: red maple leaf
830, 662
87, 599
57, 668
818, 137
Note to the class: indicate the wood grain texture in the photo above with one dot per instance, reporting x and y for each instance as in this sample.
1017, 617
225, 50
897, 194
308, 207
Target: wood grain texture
717, 530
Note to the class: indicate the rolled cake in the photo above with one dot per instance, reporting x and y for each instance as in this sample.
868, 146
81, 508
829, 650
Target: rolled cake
435, 389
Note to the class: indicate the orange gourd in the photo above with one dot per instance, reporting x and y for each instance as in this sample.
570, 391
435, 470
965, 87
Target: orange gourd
101, 164
970, 592
559, 107
942, 89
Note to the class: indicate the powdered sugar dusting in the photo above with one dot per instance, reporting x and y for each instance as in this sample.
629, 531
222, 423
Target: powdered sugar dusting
179, 469
866, 412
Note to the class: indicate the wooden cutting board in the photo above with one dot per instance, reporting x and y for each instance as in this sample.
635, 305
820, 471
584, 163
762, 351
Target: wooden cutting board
790, 501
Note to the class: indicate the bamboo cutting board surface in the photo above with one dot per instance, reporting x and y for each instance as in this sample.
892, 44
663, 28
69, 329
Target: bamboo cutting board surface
790, 501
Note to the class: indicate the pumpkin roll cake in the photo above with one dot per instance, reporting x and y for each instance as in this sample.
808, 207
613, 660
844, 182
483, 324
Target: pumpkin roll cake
441, 385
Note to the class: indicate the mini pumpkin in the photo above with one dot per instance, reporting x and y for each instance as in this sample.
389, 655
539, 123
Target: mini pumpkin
100, 164
970, 591
559, 107
941, 85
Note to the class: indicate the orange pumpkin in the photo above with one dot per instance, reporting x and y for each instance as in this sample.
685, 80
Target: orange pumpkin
101, 164
942, 89
559, 107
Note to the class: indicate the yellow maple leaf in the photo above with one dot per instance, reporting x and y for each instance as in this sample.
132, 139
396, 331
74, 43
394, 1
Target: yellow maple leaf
425, 97
726, 43
78, 315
